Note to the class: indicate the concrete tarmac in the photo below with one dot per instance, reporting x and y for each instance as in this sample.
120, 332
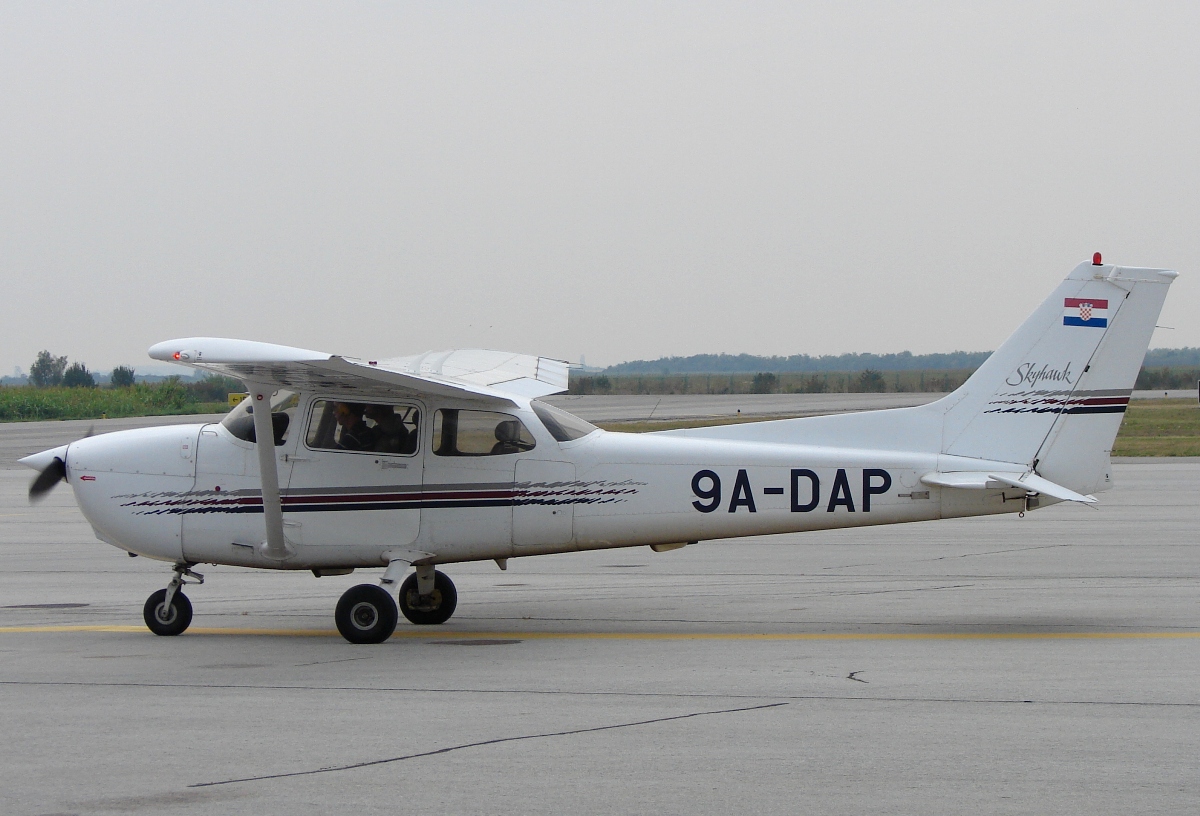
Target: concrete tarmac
996, 665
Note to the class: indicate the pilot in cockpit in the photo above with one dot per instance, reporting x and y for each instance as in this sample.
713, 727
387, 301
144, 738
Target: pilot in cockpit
354, 435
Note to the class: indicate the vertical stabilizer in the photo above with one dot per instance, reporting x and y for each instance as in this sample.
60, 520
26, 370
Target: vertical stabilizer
1054, 393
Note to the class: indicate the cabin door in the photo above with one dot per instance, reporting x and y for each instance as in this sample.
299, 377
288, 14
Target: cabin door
470, 467
356, 475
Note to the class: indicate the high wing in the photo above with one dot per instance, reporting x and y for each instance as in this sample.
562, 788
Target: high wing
473, 374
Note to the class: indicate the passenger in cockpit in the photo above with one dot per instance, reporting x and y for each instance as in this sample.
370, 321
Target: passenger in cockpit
390, 434
508, 437
355, 435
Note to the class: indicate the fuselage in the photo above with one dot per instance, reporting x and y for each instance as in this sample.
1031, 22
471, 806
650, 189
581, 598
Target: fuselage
191, 493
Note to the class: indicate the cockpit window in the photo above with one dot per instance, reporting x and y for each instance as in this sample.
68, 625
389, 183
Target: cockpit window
479, 433
364, 426
562, 426
240, 421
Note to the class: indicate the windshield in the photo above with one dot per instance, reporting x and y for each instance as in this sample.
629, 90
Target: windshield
562, 426
240, 421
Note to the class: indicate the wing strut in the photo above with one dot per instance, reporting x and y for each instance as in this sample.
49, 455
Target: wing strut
275, 547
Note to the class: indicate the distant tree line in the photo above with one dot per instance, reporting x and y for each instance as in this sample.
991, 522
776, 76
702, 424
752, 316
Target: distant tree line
749, 363
51, 371
1165, 379
903, 361
1172, 358
769, 382
834, 382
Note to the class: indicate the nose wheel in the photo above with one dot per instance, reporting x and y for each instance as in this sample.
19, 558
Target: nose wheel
168, 611
432, 606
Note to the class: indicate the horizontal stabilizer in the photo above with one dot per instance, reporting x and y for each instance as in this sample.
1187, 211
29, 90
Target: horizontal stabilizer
1036, 484
986, 480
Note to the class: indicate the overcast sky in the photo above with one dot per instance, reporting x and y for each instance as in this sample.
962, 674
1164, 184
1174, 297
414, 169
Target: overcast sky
616, 180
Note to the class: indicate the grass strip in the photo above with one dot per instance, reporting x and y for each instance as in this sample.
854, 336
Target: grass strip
142, 399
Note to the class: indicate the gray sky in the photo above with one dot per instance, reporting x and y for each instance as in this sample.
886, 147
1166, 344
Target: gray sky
618, 180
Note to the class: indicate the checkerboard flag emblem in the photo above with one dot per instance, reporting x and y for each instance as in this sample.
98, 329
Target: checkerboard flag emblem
1091, 312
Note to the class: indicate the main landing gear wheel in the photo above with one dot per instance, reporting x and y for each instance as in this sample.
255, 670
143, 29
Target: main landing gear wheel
167, 619
431, 609
366, 614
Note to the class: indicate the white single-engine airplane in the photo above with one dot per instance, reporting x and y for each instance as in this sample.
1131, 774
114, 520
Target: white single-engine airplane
334, 464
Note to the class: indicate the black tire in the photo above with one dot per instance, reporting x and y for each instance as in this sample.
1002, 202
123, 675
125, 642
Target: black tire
162, 620
436, 608
366, 614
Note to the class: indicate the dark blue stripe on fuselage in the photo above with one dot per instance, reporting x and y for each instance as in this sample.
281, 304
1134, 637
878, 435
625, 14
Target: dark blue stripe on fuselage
1096, 409
341, 506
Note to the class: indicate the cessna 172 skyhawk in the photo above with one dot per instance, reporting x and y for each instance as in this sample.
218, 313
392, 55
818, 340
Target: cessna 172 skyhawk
334, 464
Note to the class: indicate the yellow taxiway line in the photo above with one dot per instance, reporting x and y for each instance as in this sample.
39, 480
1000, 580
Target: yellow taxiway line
425, 634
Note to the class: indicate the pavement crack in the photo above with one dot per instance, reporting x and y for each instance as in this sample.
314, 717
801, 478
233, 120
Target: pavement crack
890, 591
997, 552
325, 662
481, 743
851, 676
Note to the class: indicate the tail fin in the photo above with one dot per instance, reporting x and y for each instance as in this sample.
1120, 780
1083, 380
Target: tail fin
1051, 398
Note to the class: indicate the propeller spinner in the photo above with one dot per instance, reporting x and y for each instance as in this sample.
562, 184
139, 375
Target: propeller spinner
52, 472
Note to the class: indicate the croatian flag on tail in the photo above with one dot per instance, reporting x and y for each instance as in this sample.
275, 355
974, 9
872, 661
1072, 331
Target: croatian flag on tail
1085, 312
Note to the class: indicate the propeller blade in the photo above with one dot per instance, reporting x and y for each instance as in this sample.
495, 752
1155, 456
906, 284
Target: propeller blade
45, 481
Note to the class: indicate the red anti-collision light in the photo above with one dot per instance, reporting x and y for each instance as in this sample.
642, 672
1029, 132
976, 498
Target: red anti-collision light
1096, 260
177, 355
